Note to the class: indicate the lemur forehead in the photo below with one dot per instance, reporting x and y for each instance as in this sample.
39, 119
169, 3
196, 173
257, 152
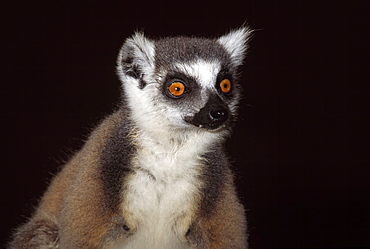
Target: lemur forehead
205, 72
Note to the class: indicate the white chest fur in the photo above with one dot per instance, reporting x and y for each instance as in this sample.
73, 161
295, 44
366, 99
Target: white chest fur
161, 194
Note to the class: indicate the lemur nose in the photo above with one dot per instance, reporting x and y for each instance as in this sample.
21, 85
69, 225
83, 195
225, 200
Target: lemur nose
218, 115
213, 115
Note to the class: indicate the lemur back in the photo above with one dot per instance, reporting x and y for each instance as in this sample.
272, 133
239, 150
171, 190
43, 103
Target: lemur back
154, 174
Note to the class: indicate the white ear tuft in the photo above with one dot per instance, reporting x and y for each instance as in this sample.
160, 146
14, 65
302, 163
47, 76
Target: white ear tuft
136, 56
235, 44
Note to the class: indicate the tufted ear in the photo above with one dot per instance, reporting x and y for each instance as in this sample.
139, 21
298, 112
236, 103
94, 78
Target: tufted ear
136, 57
235, 43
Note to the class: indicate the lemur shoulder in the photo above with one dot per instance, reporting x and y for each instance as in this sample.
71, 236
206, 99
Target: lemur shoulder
154, 174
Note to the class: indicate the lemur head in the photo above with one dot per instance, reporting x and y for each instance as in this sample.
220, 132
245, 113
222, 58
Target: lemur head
182, 82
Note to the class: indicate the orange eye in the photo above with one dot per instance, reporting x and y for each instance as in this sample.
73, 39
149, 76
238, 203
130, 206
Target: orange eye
225, 85
176, 89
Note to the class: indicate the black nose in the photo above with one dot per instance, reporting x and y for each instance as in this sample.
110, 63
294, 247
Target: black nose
213, 115
218, 115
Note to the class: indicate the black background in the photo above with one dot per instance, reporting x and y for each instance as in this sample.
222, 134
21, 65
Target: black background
301, 146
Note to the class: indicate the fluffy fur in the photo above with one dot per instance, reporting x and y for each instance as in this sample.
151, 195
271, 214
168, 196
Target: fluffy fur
154, 174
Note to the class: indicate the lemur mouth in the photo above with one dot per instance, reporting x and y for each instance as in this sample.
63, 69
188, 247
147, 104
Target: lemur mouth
210, 126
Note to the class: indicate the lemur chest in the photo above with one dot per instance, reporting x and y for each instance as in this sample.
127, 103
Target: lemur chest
160, 197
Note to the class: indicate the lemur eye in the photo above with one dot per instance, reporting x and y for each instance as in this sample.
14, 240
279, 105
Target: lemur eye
176, 89
225, 85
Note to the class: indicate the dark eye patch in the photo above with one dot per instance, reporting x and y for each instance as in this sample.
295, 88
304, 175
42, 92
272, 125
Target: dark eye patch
222, 75
173, 76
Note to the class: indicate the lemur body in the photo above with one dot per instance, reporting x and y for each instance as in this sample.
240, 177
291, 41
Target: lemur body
154, 174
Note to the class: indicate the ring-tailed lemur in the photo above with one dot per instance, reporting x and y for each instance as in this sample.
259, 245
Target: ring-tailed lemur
154, 174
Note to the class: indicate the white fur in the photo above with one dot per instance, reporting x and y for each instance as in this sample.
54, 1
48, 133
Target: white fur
204, 71
235, 43
161, 193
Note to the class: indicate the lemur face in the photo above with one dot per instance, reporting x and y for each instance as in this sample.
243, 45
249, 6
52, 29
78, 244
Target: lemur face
202, 91
183, 82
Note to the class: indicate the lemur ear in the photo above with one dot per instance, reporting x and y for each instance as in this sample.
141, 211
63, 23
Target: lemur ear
136, 56
235, 43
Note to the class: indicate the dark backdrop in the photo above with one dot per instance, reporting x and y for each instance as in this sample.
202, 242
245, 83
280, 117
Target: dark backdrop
301, 147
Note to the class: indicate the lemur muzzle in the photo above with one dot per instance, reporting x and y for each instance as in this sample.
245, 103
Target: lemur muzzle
214, 114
